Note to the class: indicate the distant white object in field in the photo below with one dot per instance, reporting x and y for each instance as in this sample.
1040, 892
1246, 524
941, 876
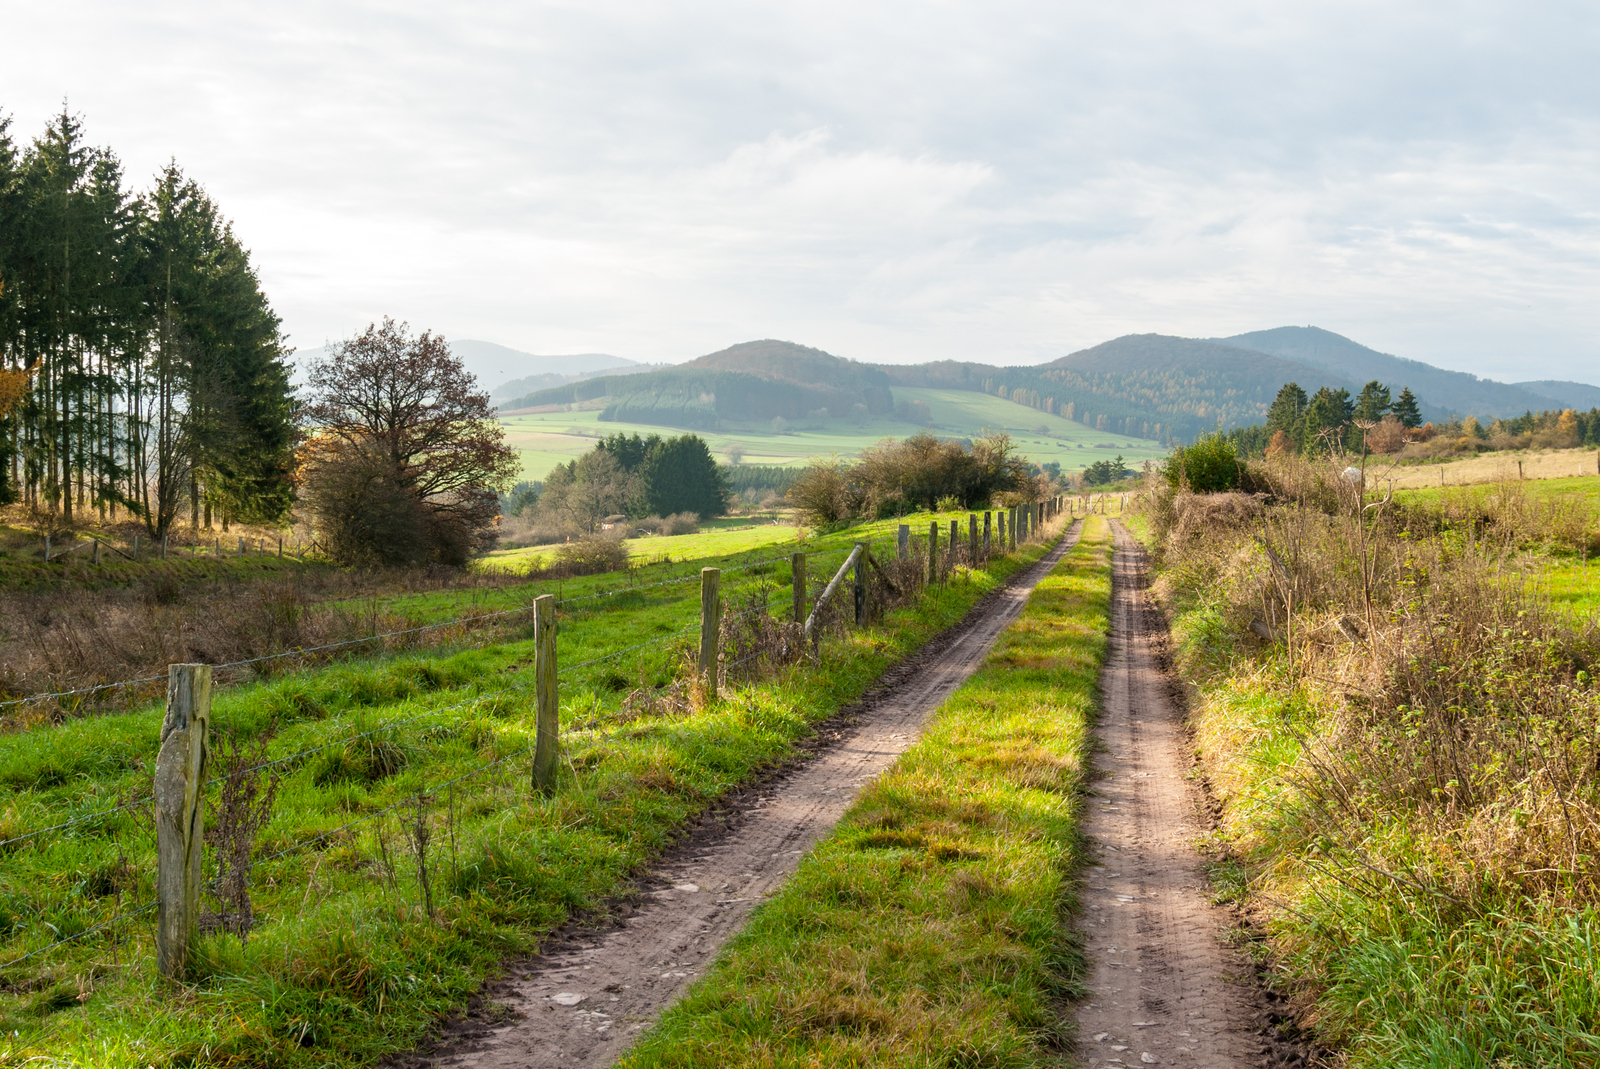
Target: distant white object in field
1352, 476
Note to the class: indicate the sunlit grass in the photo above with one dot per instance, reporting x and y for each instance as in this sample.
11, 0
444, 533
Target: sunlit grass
344, 965
931, 928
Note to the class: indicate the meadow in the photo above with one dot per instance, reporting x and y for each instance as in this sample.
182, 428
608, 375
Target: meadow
405, 853
548, 438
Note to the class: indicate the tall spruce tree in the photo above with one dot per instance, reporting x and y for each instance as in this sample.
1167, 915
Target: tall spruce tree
1406, 408
149, 364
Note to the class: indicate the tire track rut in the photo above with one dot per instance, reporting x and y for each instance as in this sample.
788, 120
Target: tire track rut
583, 1005
1164, 989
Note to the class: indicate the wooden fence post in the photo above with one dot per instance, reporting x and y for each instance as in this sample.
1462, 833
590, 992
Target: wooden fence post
219, 546
97, 551
710, 626
797, 581
950, 554
241, 545
903, 542
136, 548
47, 549
179, 808
163, 547
1000, 529
933, 552
987, 516
972, 538
280, 547
861, 584
547, 707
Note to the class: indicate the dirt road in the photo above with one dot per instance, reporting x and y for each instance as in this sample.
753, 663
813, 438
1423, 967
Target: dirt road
584, 1004
1164, 988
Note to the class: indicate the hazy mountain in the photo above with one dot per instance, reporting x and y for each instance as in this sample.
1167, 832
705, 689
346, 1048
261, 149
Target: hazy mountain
496, 366
752, 381
1440, 390
1578, 395
1150, 385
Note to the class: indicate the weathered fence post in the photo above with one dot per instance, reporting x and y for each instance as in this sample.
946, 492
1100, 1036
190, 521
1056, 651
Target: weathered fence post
47, 549
180, 780
1000, 531
97, 551
903, 542
933, 552
950, 554
280, 547
987, 516
163, 547
797, 581
219, 546
547, 706
710, 623
861, 584
972, 538
241, 545
136, 548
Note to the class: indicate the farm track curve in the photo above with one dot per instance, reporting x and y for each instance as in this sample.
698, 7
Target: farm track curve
584, 1000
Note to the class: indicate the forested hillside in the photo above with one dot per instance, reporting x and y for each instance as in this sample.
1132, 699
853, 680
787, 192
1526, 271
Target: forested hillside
141, 367
1448, 392
1150, 386
752, 382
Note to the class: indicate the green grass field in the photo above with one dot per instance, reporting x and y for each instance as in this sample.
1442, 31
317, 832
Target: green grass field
662, 548
931, 928
550, 438
346, 963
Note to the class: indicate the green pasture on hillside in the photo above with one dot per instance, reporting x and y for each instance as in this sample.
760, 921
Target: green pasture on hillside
931, 928
346, 964
550, 438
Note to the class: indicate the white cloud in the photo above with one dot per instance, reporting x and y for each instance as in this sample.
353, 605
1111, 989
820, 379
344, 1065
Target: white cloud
896, 181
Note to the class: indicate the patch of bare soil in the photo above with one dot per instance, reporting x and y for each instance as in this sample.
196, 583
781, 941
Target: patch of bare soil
1165, 988
598, 985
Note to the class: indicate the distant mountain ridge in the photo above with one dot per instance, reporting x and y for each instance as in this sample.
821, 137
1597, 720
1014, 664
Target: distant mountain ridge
1566, 394
508, 372
1144, 385
1445, 391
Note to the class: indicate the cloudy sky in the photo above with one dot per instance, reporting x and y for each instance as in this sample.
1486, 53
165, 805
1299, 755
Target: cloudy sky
1006, 180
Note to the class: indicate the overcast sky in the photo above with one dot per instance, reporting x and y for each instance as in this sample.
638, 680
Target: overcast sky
1001, 181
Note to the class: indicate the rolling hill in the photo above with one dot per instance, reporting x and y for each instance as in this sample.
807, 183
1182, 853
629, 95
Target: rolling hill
782, 399
1442, 392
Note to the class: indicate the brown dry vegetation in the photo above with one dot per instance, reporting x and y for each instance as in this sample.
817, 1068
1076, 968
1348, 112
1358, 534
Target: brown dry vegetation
73, 637
1407, 749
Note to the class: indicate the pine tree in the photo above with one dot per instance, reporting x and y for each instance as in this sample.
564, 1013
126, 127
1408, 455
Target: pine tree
1372, 404
682, 476
1407, 409
1288, 410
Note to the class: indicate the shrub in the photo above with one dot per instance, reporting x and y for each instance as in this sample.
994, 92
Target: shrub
679, 523
1209, 466
592, 556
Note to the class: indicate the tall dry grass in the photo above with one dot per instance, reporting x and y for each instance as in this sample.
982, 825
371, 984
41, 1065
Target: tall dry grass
1451, 703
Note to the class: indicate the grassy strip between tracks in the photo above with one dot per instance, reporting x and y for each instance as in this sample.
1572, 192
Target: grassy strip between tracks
931, 928
346, 964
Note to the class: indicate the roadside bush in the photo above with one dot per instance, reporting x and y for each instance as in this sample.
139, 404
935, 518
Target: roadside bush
1209, 466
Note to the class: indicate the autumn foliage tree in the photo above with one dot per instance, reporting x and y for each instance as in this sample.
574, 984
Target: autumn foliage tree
404, 459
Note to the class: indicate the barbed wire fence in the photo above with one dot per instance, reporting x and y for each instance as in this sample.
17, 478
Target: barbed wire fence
735, 638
